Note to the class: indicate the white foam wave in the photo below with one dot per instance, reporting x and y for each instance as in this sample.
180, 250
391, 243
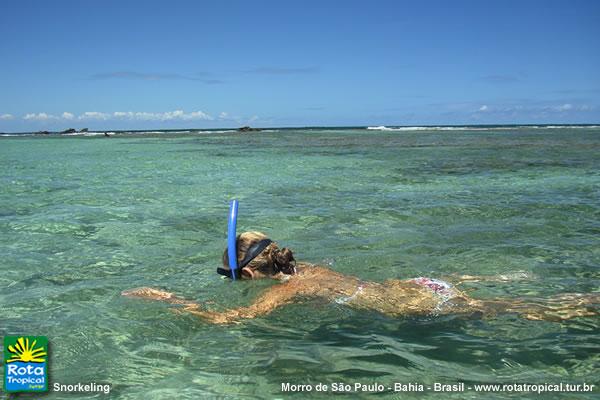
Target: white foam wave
563, 127
152, 132
478, 128
88, 134
422, 128
223, 131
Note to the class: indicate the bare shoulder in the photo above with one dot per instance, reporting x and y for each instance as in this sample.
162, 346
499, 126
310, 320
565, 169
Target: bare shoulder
307, 280
313, 270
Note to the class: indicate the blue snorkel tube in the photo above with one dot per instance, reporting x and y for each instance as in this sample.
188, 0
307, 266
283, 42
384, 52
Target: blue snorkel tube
251, 253
231, 238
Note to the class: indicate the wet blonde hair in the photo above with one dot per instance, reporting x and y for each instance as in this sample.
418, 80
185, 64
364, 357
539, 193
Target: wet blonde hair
267, 261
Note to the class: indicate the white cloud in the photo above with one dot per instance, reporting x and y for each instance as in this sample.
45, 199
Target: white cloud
571, 107
177, 115
94, 115
165, 116
532, 108
121, 114
201, 115
6, 116
197, 115
39, 117
564, 107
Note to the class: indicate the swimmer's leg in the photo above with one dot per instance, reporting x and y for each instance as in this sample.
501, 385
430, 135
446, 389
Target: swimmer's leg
508, 277
557, 308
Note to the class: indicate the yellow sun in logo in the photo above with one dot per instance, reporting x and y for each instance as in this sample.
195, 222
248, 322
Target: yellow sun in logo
26, 352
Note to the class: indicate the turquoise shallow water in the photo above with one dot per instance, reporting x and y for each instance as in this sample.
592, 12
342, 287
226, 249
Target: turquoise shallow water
83, 218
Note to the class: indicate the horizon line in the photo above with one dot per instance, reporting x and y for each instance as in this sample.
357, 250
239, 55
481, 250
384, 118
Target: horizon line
591, 124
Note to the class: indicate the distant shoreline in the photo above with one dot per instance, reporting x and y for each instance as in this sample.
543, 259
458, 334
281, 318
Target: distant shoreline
292, 128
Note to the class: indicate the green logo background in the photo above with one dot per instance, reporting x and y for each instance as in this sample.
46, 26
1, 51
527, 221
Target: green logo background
41, 342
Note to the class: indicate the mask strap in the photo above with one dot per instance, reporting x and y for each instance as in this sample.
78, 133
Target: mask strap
254, 251
228, 273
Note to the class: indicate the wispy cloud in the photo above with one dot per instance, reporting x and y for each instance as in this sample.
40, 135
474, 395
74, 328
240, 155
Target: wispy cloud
240, 120
283, 70
577, 91
515, 105
6, 117
563, 107
203, 77
501, 78
40, 117
313, 108
121, 115
163, 116
94, 115
510, 110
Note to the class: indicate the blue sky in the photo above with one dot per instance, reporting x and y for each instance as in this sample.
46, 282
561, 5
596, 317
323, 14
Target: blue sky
206, 64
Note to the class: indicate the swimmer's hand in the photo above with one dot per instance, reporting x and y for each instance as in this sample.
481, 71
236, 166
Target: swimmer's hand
281, 277
189, 306
274, 297
155, 294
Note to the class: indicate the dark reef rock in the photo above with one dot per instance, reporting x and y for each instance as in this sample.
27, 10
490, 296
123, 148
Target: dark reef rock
84, 130
42, 133
248, 129
70, 130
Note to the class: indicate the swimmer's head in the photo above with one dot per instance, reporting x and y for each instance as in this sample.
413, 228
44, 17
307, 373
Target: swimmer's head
258, 257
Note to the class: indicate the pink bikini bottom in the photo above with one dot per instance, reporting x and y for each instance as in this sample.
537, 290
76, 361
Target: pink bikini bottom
439, 287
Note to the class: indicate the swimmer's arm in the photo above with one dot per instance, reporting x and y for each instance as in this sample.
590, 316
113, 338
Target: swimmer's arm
158, 295
168, 297
274, 297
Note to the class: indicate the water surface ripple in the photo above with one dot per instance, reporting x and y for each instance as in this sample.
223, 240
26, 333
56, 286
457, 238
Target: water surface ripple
83, 218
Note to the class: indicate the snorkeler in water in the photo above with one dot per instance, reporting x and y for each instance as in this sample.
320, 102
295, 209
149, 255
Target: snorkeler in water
258, 257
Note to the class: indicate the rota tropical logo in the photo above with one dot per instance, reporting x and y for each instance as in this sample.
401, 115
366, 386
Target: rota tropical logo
25, 363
